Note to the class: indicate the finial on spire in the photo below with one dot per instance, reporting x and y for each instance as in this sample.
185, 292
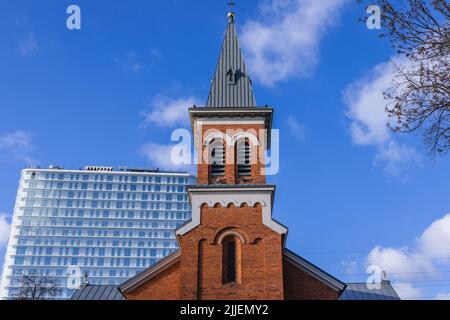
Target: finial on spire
231, 86
231, 14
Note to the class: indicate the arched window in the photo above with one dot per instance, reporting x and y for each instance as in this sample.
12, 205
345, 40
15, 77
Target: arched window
217, 158
230, 259
244, 167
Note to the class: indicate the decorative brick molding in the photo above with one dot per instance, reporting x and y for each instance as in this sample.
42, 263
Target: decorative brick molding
237, 196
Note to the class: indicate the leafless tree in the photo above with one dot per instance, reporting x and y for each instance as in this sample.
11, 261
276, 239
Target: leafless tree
419, 98
34, 287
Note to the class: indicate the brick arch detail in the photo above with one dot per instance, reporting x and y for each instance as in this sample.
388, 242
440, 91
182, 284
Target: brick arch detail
217, 135
251, 196
231, 141
237, 204
245, 135
222, 234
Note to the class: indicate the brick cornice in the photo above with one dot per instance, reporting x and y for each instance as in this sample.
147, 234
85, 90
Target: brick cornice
235, 194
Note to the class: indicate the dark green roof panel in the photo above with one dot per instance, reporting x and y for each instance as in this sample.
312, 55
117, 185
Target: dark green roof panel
98, 292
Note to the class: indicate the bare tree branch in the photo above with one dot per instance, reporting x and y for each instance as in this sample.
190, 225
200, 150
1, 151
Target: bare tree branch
419, 97
36, 287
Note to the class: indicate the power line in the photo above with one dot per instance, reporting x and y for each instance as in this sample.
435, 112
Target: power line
419, 298
394, 273
390, 259
420, 285
420, 281
363, 251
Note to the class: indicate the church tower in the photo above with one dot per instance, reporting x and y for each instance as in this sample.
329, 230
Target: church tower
232, 244
232, 248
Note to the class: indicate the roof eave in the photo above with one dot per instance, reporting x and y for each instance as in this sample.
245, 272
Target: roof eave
314, 271
234, 112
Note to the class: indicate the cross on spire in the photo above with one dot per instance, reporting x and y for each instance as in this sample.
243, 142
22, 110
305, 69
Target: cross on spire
231, 86
231, 4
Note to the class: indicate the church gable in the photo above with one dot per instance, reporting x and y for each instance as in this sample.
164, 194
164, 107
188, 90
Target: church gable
305, 281
161, 281
231, 255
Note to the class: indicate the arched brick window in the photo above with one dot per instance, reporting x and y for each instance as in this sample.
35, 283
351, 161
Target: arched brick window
230, 260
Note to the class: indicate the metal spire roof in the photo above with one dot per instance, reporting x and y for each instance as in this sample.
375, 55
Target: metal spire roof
231, 85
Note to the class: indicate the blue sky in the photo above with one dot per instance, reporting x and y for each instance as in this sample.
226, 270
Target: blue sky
351, 193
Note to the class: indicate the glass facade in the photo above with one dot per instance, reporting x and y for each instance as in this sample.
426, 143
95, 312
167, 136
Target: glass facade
108, 224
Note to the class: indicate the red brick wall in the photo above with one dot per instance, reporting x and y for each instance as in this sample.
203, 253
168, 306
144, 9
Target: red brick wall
261, 275
298, 285
198, 275
165, 286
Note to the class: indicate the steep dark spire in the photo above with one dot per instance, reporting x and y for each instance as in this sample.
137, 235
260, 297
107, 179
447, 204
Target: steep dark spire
231, 85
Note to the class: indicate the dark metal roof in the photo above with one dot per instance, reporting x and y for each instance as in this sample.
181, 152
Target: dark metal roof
361, 291
238, 92
94, 292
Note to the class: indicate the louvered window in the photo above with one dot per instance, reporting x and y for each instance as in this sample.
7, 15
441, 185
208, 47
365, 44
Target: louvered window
217, 159
243, 158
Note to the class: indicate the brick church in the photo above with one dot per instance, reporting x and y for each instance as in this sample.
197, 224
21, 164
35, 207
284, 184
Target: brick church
232, 248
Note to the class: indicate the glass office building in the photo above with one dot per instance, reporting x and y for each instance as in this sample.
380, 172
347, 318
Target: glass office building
106, 223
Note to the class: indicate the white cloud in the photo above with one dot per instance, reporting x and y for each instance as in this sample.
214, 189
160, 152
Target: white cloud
28, 46
5, 228
396, 159
131, 61
284, 41
443, 296
401, 262
156, 54
407, 291
19, 144
435, 240
296, 128
164, 157
350, 267
168, 112
366, 110
421, 261
136, 62
431, 247
20, 140
366, 106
